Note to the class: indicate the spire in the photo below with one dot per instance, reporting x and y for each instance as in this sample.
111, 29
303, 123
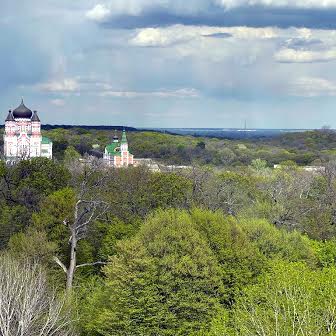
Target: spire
123, 137
35, 117
10, 116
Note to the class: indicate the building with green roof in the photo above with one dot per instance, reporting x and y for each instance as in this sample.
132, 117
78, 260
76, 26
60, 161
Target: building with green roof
117, 153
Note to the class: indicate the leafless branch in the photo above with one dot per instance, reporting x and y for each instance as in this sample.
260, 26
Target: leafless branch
27, 307
59, 263
92, 264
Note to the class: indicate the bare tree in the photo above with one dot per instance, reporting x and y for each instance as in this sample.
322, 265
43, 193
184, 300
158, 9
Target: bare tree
27, 307
200, 178
89, 207
291, 196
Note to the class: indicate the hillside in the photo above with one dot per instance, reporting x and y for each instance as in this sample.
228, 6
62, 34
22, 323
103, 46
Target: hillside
304, 148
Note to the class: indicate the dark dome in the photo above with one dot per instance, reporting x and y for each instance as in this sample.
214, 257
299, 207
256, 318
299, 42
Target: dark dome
35, 117
22, 111
10, 116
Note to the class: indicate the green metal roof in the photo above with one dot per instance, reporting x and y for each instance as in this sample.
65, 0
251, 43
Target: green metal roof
46, 141
114, 149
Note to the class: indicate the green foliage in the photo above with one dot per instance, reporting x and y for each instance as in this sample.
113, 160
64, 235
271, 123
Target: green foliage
201, 251
165, 281
326, 252
259, 167
276, 243
55, 209
169, 190
229, 191
70, 155
289, 300
240, 261
90, 292
33, 245
303, 148
13, 219
175, 255
135, 192
40, 174
110, 234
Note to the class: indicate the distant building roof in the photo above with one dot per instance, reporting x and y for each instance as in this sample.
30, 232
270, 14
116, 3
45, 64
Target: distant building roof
46, 141
113, 149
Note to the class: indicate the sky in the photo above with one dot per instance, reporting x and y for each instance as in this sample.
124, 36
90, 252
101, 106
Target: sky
171, 63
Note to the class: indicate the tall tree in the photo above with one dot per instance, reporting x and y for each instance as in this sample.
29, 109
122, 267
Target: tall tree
165, 281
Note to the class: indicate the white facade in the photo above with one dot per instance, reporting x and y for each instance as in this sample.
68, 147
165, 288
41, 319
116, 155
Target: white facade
22, 137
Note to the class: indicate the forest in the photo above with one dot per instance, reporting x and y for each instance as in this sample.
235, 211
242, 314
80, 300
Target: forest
230, 246
303, 148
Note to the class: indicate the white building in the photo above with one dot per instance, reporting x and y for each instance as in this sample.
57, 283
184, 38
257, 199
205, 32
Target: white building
22, 137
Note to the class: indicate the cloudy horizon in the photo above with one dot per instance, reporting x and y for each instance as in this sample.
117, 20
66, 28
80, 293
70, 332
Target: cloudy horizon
171, 63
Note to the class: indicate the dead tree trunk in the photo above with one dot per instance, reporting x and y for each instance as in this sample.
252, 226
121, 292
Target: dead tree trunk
85, 213
89, 183
73, 261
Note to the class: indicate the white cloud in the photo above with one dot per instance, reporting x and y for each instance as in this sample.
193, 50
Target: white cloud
110, 8
181, 93
94, 87
228, 4
167, 36
64, 85
58, 102
304, 56
312, 87
98, 13
161, 37
102, 11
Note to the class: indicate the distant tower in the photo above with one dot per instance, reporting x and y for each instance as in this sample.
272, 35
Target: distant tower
10, 139
115, 138
124, 143
22, 137
36, 138
117, 153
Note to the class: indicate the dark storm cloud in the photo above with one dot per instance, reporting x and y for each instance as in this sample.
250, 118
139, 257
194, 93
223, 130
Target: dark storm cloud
257, 16
304, 44
219, 35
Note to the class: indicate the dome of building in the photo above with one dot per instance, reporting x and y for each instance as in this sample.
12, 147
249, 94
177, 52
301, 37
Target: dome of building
10, 116
22, 111
35, 117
